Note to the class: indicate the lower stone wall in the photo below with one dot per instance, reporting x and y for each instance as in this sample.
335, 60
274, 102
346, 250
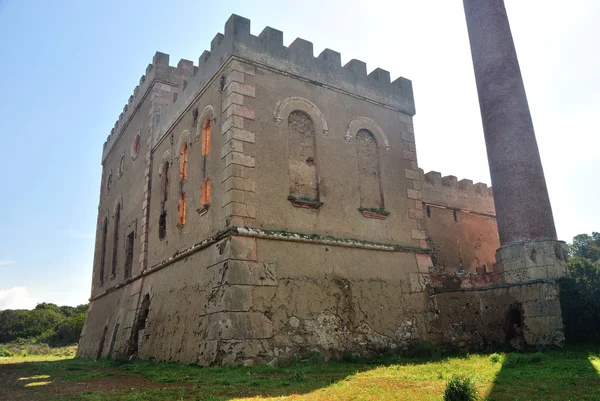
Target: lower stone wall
259, 297
520, 315
338, 300
248, 300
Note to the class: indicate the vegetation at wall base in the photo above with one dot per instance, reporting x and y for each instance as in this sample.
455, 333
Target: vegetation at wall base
580, 290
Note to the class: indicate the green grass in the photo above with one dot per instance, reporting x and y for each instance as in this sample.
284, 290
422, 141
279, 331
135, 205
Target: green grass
572, 373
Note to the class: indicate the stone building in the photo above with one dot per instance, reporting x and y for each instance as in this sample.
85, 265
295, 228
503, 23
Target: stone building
267, 202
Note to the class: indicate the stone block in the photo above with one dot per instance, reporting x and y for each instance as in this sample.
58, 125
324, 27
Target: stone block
239, 158
241, 89
549, 291
229, 298
234, 76
248, 69
232, 122
245, 272
235, 195
236, 209
543, 330
233, 98
240, 183
419, 282
243, 248
415, 213
412, 174
232, 146
239, 134
240, 111
219, 252
233, 170
424, 263
516, 276
238, 326
541, 307
413, 194
556, 271
207, 352
408, 155
418, 234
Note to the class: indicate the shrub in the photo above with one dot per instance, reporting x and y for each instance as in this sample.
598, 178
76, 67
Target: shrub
580, 300
5, 352
495, 358
460, 388
299, 376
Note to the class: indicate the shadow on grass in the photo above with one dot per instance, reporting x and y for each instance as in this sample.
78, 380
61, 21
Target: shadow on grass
74, 379
572, 373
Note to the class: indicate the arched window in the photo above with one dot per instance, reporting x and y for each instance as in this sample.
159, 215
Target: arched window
183, 157
302, 157
103, 250
109, 182
162, 221
113, 270
205, 193
181, 205
371, 195
206, 137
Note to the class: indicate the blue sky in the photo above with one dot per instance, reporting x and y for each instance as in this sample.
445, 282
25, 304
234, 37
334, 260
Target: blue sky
68, 67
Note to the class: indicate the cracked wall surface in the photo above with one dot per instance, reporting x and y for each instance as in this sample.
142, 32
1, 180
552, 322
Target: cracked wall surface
226, 304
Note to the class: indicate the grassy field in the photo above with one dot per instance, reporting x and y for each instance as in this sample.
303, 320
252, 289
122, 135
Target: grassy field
572, 373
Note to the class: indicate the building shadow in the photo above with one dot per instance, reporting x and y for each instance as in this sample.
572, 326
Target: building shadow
560, 374
572, 373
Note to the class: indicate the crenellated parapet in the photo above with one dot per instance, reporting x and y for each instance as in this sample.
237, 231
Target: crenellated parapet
158, 70
448, 191
267, 50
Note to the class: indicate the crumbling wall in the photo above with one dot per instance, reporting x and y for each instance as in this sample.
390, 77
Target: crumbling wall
517, 315
248, 299
461, 230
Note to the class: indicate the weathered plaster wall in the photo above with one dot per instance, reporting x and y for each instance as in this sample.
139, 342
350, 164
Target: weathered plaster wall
201, 222
481, 317
127, 190
245, 298
461, 231
336, 161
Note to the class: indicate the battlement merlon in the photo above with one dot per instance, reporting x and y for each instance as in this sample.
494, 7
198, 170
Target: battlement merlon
267, 49
159, 70
452, 193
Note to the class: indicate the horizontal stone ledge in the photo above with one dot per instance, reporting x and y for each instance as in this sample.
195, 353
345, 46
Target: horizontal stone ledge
326, 240
266, 234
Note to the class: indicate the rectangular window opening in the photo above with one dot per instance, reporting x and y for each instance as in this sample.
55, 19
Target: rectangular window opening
129, 254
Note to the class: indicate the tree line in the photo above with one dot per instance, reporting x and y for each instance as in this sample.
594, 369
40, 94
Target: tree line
46, 323
580, 290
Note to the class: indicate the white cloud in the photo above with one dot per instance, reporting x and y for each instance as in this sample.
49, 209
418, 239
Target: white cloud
7, 262
17, 298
